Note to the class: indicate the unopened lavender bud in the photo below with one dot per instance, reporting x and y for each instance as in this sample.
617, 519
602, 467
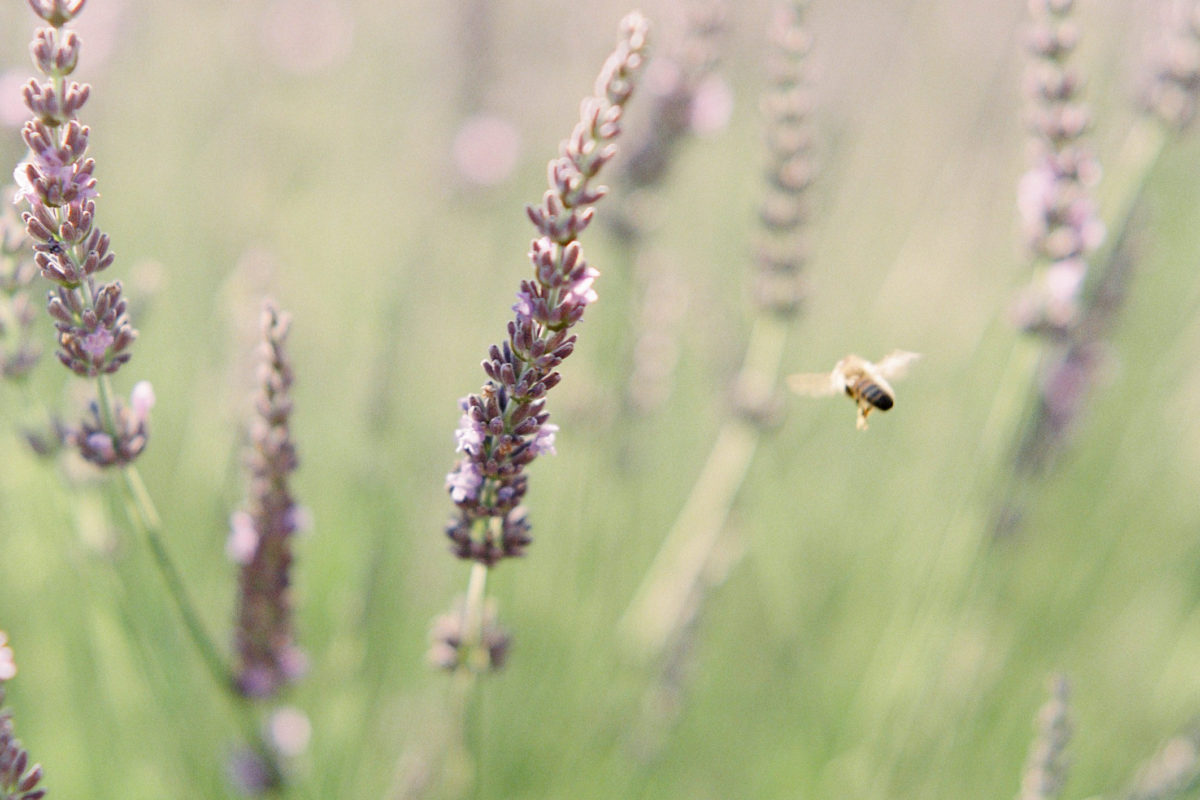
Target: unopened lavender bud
57, 12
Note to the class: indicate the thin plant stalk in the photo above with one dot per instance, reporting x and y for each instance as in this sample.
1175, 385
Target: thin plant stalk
143, 513
658, 608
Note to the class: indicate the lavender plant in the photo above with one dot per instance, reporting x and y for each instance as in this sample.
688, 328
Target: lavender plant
505, 426
1063, 230
659, 610
18, 779
1070, 307
261, 538
1055, 196
58, 188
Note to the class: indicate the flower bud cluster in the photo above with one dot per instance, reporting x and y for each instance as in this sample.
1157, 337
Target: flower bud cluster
268, 656
1055, 196
18, 352
505, 426
122, 444
787, 106
18, 778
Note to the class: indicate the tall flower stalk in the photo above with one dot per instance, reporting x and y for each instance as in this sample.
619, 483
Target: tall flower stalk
666, 599
1082, 265
506, 426
57, 187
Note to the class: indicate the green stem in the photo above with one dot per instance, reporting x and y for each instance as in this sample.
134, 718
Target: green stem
144, 514
477, 656
659, 605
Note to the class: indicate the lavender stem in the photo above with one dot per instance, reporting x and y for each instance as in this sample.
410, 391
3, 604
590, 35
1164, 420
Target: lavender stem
142, 511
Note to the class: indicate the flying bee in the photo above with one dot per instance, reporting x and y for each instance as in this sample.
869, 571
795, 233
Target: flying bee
863, 382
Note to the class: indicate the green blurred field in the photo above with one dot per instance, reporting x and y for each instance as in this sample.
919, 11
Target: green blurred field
870, 641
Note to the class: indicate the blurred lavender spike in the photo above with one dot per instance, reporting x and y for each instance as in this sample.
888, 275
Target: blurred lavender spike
267, 655
1046, 767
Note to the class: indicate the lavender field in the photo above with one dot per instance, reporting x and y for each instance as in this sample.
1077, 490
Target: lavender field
313, 549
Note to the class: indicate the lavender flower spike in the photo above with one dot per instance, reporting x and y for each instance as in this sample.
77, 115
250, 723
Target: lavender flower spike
505, 426
1055, 196
268, 657
56, 186
18, 780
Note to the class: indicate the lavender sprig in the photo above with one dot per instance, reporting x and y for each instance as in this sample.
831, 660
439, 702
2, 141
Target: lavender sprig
1063, 233
57, 186
787, 105
505, 426
268, 657
18, 779
659, 610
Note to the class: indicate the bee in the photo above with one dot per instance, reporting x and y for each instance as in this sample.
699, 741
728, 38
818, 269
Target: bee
863, 382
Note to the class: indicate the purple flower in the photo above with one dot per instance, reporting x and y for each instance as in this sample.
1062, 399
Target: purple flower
469, 436
543, 440
524, 305
96, 343
580, 292
464, 482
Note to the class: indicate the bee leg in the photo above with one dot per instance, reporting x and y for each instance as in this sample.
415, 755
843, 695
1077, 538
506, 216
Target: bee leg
863, 410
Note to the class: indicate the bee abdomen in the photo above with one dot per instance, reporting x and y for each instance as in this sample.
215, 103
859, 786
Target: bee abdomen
877, 396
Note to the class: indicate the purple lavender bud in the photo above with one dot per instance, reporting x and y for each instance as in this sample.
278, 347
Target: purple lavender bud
261, 536
57, 12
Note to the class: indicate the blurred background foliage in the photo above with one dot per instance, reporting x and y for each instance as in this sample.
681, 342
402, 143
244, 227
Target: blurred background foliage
867, 639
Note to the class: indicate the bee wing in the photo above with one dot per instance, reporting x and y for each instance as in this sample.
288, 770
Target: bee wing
895, 364
812, 384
